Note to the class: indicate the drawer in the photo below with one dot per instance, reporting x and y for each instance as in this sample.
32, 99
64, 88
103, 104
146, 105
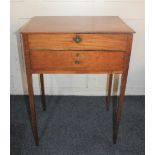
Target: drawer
90, 61
78, 42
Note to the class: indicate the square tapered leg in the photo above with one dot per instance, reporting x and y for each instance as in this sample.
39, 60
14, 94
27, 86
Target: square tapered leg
108, 97
32, 108
42, 92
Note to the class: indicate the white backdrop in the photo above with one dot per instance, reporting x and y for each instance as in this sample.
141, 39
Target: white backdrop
131, 11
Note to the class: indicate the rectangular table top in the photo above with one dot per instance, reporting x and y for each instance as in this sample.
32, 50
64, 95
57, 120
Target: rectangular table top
76, 24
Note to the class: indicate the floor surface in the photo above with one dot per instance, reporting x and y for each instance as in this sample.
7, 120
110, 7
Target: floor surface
77, 125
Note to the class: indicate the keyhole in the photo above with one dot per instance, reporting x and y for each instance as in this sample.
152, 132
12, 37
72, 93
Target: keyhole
77, 54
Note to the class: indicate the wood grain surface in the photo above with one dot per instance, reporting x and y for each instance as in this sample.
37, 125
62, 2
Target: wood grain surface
82, 45
88, 42
89, 61
78, 24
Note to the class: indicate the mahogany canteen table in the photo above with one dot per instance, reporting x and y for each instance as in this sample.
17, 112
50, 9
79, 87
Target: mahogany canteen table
76, 45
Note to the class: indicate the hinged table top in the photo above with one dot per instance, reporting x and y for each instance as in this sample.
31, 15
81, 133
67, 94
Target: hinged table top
76, 24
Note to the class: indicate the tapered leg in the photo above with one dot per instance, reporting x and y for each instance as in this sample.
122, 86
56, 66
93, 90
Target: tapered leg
32, 108
42, 92
119, 107
108, 97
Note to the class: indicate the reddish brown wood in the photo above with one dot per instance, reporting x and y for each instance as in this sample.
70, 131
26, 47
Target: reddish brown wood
32, 108
119, 107
73, 71
42, 92
30, 90
78, 24
108, 98
88, 42
120, 104
50, 47
89, 61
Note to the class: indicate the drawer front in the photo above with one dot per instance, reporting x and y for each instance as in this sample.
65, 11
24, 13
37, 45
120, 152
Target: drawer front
78, 42
90, 61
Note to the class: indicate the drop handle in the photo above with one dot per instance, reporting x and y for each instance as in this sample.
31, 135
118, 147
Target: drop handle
77, 39
77, 61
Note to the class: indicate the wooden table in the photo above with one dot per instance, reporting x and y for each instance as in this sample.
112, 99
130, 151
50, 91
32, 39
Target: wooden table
77, 45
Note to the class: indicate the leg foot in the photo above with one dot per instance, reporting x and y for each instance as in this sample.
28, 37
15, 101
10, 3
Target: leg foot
119, 108
32, 109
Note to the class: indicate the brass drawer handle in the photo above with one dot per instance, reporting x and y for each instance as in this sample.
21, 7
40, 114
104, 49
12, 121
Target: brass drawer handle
77, 62
77, 39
